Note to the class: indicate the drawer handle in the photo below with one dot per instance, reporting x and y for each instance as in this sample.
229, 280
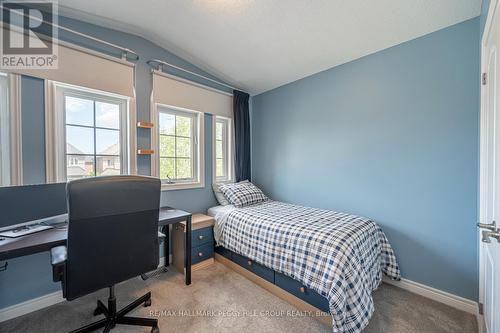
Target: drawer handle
302, 289
249, 262
200, 254
200, 237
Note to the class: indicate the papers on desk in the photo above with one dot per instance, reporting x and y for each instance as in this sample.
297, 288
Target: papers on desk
24, 230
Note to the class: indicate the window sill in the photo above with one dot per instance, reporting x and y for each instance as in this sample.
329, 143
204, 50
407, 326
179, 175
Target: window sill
224, 181
181, 186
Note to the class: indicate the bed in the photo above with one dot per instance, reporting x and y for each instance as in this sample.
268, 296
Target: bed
341, 257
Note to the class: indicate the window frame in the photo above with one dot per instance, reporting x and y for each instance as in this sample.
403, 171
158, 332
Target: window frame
11, 133
227, 144
197, 149
57, 159
5, 138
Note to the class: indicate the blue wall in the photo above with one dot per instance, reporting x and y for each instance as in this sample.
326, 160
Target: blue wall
485, 5
146, 51
33, 130
30, 277
392, 136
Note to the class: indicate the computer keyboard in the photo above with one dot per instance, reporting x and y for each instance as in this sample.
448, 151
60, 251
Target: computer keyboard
25, 230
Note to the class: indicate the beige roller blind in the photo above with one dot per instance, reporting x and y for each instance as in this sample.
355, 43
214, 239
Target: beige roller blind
86, 68
179, 93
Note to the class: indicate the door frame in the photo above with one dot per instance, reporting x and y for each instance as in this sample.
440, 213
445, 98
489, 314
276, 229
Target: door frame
485, 54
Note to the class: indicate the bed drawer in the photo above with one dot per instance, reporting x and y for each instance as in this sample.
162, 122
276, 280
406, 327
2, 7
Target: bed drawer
297, 289
202, 236
223, 252
258, 269
201, 253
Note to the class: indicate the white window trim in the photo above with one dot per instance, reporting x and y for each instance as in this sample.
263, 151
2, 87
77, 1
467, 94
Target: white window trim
55, 149
15, 130
16, 133
229, 150
199, 162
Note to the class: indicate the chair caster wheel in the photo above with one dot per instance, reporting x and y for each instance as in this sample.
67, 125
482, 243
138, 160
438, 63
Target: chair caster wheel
155, 330
146, 304
98, 311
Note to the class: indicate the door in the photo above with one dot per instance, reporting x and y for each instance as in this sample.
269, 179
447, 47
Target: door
489, 288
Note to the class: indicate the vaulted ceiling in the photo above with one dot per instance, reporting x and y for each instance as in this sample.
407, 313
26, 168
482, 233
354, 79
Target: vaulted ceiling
259, 45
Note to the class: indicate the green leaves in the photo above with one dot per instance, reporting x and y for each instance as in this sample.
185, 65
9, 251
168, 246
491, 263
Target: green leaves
167, 168
183, 126
176, 146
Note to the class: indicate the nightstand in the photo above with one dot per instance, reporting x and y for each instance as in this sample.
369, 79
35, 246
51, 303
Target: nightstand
202, 243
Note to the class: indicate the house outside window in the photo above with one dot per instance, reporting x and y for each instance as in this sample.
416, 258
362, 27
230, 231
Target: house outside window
94, 133
179, 147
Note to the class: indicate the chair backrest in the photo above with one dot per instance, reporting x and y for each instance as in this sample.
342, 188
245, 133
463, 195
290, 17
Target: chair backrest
112, 231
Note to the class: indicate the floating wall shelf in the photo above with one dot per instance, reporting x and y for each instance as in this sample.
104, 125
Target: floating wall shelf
145, 151
144, 124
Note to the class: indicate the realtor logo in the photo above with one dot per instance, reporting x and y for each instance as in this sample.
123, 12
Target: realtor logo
29, 35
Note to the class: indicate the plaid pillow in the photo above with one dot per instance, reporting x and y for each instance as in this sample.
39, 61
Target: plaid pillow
219, 195
242, 194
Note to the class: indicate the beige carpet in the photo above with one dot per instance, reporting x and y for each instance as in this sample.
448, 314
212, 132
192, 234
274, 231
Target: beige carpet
220, 300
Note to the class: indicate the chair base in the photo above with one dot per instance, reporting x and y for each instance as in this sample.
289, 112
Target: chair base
114, 317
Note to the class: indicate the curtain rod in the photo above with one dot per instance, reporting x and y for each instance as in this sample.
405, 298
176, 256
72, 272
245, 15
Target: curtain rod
161, 63
124, 50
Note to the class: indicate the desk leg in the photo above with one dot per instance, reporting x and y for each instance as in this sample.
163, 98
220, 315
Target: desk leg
166, 244
187, 251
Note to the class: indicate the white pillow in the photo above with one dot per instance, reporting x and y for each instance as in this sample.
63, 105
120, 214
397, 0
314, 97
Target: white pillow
221, 198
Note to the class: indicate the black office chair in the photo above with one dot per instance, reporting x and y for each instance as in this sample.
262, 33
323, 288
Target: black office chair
112, 237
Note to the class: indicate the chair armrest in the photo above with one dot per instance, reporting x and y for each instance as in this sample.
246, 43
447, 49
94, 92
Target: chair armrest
58, 256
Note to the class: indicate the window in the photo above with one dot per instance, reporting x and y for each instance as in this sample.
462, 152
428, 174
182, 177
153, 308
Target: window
222, 151
10, 131
4, 131
179, 152
95, 133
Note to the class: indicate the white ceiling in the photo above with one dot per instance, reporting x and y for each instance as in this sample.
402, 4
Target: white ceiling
258, 45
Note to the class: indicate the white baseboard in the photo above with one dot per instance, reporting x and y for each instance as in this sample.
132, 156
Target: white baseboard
454, 301
38, 303
440, 296
444, 297
31, 305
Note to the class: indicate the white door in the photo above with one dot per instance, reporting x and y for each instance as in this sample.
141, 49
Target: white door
490, 173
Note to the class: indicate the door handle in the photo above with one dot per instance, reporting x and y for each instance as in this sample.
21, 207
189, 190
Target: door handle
492, 226
488, 234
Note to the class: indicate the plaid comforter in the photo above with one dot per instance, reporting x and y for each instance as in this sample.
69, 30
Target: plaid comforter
340, 256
